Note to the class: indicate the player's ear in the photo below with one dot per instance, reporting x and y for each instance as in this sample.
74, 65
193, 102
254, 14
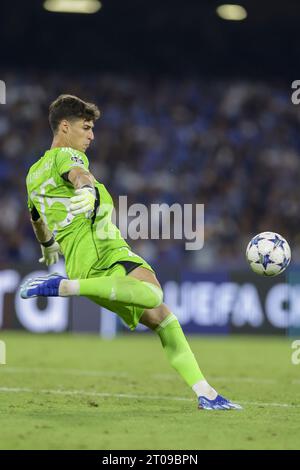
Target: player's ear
64, 126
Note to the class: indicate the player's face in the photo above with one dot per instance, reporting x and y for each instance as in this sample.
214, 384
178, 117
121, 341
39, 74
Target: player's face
80, 134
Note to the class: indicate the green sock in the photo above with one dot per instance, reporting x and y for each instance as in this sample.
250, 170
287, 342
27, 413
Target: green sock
127, 290
178, 350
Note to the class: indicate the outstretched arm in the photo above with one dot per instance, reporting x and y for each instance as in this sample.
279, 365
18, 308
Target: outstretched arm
50, 248
42, 233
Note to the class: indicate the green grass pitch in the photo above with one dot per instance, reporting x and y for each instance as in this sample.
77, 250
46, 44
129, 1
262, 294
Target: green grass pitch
81, 392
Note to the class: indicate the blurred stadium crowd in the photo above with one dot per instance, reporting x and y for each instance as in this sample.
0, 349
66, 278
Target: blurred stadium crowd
233, 146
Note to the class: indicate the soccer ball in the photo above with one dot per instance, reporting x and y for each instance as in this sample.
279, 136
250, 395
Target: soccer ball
268, 254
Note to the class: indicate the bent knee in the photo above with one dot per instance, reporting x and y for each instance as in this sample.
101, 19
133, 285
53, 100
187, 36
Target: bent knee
152, 318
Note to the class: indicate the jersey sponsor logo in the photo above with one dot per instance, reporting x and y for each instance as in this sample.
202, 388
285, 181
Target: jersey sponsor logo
77, 160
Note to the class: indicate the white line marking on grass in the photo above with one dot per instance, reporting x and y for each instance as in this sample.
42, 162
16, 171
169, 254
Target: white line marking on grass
102, 373
280, 405
128, 396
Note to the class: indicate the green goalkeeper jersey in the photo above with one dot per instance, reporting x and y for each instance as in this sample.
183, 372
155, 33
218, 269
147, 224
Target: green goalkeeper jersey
85, 241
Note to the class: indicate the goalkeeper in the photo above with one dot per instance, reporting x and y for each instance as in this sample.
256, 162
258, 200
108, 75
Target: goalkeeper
70, 212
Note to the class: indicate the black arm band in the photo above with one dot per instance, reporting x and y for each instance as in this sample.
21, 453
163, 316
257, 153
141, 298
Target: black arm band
48, 243
34, 214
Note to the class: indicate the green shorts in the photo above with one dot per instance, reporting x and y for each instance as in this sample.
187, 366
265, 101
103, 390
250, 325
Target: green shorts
121, 262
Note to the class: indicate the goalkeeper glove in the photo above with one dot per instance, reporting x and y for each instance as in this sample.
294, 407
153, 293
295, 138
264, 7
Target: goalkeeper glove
50, 253
83, 202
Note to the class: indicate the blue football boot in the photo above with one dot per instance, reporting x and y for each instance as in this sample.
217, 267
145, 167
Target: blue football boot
219, 403
46, 286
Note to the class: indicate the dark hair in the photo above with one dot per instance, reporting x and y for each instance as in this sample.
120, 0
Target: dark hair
70, 107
